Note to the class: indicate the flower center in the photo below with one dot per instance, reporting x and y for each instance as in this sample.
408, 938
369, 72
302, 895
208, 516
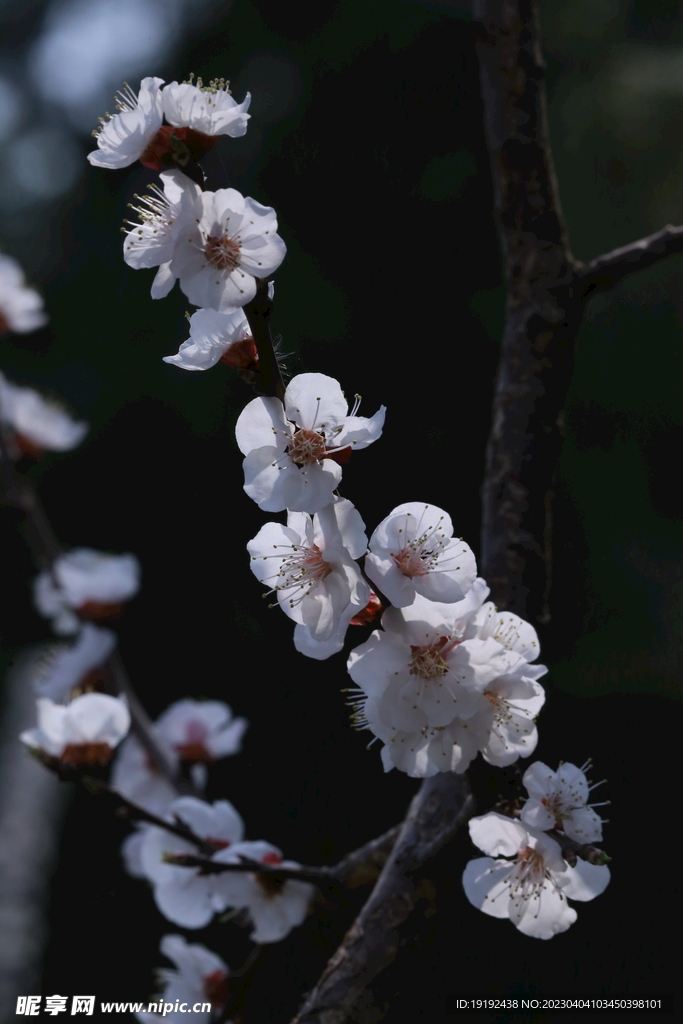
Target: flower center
217, 844
428, 662
500, 707
271, 885
100, 611
222, 252
241, 355
82, 755
302, 571
529, 869
306, 447
194, 748
411, 562
313, 565
216, 989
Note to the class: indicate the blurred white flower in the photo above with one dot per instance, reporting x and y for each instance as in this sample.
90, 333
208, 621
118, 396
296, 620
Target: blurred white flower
184, 895
199, 977
275, 906
85, 584
21, 307
65, 668
38, 424
81, 734
196, 732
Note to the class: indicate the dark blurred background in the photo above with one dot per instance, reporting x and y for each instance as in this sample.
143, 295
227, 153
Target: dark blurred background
366, 137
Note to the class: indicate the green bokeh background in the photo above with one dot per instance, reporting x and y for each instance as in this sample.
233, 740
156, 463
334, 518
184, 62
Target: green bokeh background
366, 137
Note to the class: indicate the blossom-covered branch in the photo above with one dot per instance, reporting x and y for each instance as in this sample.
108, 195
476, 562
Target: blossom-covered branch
543, 314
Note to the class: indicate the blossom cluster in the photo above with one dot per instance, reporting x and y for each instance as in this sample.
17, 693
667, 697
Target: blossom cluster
196, 116
216, 244
446, 675
526, 875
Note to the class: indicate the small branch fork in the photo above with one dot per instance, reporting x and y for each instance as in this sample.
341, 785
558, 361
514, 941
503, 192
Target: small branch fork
546, 293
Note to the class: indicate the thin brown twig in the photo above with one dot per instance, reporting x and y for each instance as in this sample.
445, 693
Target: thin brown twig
607, 270
359, 867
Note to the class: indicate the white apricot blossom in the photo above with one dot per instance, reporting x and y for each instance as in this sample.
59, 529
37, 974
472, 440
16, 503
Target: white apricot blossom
232, 242
199, 977
65, 668
21, 307
164, 213
209, 109
436, 687
290, 450
310, 566
413, 551
215, 243
421, 672
195, 732
216, 337
506, 724
85, 584
183, 894
38, 424
525, 878
80, 734
275, 906
123, 137
560, 800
